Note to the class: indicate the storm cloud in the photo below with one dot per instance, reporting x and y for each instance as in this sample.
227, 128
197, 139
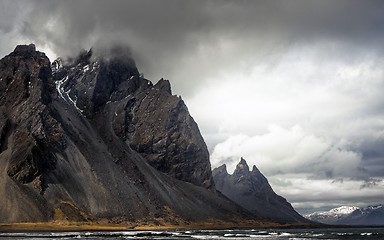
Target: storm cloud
197, 36
293, 86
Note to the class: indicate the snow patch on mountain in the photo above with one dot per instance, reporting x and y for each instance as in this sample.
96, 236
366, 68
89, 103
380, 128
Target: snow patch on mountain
350, 215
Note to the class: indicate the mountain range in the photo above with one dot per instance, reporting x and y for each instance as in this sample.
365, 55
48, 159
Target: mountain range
350, 215
89, 139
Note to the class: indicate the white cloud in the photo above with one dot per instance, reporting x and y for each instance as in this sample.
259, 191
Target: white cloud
291, 150
300, 86
312, 194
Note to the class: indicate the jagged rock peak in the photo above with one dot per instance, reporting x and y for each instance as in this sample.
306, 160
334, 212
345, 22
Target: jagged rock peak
114, 56
223, 168
163, 85
252, 191
242, 168
25, 49
91, 80
28, 51
84, 57
255, 170
26, 72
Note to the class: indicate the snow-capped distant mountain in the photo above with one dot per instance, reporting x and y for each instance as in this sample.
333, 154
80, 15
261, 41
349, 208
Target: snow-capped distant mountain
331, 216
342, 211
371, 215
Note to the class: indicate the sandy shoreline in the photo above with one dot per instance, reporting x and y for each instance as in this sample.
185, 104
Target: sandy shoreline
80, 226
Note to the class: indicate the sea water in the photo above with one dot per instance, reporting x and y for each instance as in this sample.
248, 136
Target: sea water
280, 234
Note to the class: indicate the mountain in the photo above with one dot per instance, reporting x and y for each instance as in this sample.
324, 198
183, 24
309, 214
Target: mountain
89, 139
371, 215
331, 216
147, 117
251, 190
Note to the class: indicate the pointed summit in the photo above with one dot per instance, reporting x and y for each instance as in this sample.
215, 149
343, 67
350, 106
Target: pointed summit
242, 168
164, 85
255, 170
222, 168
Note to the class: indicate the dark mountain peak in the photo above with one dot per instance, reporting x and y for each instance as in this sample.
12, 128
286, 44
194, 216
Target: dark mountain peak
255, 170
83, 58
91, 80
222, 170
252, 191
164, 85
27, 53
117, 53
242, 168
25, 49
114, 59
24, 73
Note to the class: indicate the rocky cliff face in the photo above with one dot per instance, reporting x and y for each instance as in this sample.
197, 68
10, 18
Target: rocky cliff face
147, 117
171, 141
251, 190
76, 140
26, 124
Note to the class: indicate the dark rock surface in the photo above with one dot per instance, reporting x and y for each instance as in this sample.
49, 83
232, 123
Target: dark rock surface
147, 117
74, 139
251, 190
164, 133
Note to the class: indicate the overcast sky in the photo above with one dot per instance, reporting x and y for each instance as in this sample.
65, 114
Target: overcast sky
294, 86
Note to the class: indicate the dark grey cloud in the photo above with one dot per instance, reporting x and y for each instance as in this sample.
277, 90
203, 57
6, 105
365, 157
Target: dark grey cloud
8, 16
166, 33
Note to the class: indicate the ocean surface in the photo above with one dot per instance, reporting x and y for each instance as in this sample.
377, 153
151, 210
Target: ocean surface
289, 234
